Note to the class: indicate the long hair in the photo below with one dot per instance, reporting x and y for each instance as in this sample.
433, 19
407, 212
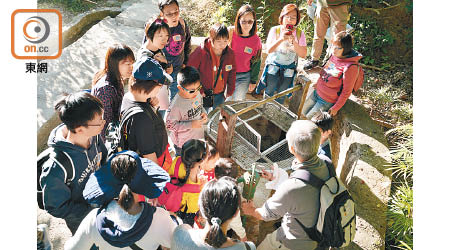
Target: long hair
219, 200
124, 168
247, 8
114, 55
193, 151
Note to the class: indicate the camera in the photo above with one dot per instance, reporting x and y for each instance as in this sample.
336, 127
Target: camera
208, 99
290, 28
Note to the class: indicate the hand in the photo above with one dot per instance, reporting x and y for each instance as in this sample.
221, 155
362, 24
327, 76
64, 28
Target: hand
169, 70
183, 66
314, 85
332, 112
202, 178
204, 117
251, 87
199, 123
247, 207
267, 175
310, 2
153, 202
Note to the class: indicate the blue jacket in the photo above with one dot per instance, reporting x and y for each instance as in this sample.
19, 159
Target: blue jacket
62, 200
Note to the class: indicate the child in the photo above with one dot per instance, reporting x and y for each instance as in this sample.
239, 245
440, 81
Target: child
210, 163
246, 45
186, 115
324, 121
193, 153
285, 44
217, 66
178, 47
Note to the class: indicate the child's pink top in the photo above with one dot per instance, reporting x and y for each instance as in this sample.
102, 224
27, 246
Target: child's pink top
244, 49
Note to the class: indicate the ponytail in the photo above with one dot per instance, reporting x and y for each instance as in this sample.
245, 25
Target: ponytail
126, 199
193, 151
215, 236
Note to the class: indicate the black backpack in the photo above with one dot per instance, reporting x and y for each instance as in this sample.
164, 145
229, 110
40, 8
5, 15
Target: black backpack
116, 133
336, 224
63, 160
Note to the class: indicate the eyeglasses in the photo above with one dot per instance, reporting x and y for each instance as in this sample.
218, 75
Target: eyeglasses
192, 91
247, 22
290, 17
336, 47
172, 14
97, 125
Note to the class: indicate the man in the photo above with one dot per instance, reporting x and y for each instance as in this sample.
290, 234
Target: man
332, 13
293, 198
78, 138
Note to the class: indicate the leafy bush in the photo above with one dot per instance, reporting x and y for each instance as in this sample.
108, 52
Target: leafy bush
400, 218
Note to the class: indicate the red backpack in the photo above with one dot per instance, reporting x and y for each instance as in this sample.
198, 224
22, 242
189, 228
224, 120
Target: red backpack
172, 194
359, 78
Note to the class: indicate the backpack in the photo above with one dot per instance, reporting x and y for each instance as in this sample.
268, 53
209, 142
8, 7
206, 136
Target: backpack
359, 78
336, 223
172, 194
63, 160
114, 141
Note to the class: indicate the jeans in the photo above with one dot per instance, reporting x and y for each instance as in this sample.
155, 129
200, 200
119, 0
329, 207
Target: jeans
218, 99
278, 80
242, 83
173, 89
313, 104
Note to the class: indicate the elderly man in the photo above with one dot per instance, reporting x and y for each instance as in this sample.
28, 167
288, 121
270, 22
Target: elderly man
293, 198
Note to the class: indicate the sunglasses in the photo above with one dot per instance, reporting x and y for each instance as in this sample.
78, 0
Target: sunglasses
247, 22
192, 91
170, 15
96, 125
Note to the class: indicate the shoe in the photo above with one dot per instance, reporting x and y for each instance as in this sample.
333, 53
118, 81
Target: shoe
310, 64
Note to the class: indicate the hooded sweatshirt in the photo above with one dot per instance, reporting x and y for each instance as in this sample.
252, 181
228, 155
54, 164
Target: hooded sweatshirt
202, 60
113, 228
337, 79
61, 200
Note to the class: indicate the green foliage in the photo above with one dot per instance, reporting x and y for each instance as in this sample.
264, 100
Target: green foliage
400, 217
70, 5
370, 39
223, 14
402, 153
263, 12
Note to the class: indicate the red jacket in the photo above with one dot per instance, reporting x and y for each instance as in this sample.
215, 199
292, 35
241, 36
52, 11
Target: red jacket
337, 79
201, 60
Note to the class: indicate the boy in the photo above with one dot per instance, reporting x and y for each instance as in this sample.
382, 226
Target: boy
186, 115
78, 138
324, 121
178, 47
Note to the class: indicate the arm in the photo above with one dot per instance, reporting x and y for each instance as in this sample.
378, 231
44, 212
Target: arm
151, 157
164, 227
57, 195
144, 136
187, 44
82, 238
174, 122
236, 225
272, 41
231, 81
255, 66
104, 151
300, 46
348, 79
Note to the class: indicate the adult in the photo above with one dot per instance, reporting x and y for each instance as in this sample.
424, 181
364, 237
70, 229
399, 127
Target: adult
156, 37
219, 202
123, 222
77, 137
332, 13
216, 63
108, 83
247, 46
285, 43
145, 131
337, 78
293, 199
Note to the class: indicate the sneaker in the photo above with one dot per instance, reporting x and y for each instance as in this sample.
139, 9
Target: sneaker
310, 64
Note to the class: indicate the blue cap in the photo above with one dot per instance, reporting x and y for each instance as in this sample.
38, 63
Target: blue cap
147, 68
149, 180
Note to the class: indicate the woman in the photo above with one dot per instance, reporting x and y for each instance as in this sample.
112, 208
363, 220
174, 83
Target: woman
123, 222
285, 43
337, 78
216, 64
157, 34
108, 83
246, 45
219, 202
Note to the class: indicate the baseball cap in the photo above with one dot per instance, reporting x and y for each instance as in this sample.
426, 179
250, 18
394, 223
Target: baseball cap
147, 68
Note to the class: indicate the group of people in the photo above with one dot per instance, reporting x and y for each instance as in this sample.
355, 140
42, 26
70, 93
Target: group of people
124, 199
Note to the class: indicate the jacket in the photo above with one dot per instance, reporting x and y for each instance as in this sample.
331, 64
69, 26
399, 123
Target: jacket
62, 200
201, 59
337, 78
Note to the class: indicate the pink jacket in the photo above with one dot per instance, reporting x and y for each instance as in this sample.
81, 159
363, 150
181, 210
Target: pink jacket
338, 75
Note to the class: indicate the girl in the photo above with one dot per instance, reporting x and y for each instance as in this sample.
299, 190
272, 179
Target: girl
337, 78
285, 44
157, 34
108, 83
186, 168
123, 222
216, 64
246, 45
219, 202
